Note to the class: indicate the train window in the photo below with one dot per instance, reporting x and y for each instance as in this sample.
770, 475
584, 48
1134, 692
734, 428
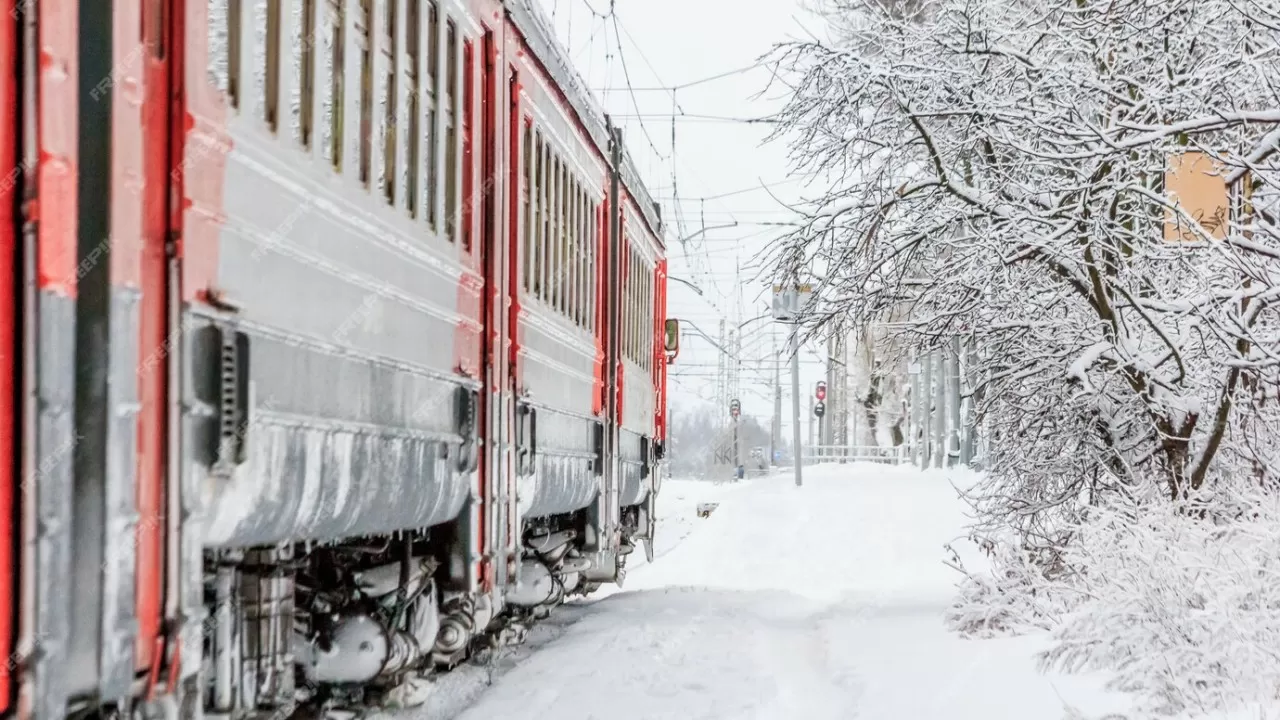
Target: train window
582, 257
364, 38
642, 328
625, 320
268, 84
451, 174
304, 57
526, 246
566, 235
540, 219
223, 37
544, 238
562, 238
650, 332
588, 216
593, 225
549, 228
571, 258
646, 327
539, 209
566, 240
637, 264
335, 33
412, 36
584, 277
638, 316
390, 48
472, 193
428, 98
633, 298
548, 238
553, 231
630, 297
575, 258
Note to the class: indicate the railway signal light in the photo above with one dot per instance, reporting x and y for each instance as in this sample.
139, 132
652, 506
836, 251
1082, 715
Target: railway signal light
819, 408
734, 408
821, 392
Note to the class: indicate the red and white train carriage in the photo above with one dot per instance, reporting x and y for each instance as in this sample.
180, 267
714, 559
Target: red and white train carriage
332, 340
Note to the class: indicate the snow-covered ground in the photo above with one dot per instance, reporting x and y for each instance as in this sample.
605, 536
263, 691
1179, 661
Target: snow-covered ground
455, 692
818, 602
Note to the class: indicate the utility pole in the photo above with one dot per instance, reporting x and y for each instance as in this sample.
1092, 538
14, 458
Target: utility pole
940, 411
775, 434
722, 377
971, 431
913, 409
953, 441
788, 306
838, 425
926, 416
795, 397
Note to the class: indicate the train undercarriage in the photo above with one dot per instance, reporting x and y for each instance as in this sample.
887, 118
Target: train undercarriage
304, 630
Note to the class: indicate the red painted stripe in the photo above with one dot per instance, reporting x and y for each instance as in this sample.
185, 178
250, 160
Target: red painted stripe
9, 115
200, 144
152, 276
515, 254
515, 174
602, 317
57, 112
659, 351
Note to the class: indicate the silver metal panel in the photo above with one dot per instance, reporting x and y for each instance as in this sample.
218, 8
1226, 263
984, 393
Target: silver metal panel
632, 487
296, 255
350, 307
119, 621
557, 361
50, 479
564, 480
639, 399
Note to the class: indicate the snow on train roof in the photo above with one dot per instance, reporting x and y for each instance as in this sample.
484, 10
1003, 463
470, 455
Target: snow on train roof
540, 37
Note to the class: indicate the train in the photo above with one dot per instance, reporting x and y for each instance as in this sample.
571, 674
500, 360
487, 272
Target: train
334, 350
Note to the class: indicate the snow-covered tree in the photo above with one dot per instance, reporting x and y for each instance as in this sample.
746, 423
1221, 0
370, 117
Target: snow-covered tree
999, 172
1015, 172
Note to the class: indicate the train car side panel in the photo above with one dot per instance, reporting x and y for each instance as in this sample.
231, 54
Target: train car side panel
557, 354
341, 295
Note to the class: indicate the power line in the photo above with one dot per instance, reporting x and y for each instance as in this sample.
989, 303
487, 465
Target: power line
694, 117
695, 83
626, 74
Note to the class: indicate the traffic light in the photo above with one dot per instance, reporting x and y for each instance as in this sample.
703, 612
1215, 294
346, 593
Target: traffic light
819, 408
821, 392
734, 408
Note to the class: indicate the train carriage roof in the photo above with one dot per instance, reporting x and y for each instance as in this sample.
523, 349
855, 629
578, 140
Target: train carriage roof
539, 35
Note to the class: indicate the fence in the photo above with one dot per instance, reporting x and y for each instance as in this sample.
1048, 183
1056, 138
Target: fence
813, 455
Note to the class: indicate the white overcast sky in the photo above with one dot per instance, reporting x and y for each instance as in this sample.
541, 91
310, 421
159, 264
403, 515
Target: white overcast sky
659, 44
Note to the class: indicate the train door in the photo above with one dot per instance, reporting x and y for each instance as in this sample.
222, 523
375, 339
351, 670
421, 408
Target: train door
478, 222
497, 393
604, 511
117, 532
523, 423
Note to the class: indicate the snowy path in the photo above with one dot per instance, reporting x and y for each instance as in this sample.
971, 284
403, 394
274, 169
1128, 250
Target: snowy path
819, 602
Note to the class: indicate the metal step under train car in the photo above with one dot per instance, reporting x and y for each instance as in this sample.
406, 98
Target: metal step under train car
333, 343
